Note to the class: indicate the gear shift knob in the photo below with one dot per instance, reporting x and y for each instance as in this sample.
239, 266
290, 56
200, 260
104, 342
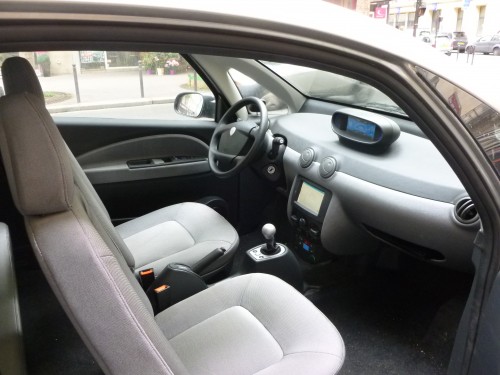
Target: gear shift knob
268, 231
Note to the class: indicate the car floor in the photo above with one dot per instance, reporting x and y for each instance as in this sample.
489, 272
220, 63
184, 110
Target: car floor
395, 321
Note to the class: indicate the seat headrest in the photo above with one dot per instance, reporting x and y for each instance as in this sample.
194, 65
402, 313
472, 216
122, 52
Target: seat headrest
19, 76
35, 156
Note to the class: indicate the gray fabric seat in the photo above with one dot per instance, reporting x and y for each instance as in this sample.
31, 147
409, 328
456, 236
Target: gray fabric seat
251, 324
191, 231
182, 233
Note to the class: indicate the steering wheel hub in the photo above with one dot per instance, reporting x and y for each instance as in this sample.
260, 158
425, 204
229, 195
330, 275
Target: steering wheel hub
235, 144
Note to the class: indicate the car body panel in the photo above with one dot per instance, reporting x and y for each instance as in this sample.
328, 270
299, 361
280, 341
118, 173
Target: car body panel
486, 44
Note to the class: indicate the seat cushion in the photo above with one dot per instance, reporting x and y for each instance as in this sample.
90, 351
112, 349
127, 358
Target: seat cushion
252, 324
182, 233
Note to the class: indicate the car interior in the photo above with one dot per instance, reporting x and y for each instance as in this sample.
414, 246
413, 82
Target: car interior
290, 219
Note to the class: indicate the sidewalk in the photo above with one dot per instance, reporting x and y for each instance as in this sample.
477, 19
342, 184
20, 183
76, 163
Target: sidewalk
108, 89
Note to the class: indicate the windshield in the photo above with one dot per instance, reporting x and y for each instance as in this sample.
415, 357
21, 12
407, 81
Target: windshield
332, 87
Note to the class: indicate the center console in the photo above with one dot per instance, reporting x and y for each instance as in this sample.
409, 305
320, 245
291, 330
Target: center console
273, 258
307, 207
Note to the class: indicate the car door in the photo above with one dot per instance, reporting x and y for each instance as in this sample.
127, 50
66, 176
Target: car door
482, 44
120, 124
489, 44
477, 341
495, 43
485, 359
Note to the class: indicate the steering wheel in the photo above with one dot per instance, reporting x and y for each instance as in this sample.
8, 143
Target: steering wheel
235, 144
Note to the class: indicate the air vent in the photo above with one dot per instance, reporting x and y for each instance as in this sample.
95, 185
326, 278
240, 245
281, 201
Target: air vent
465, 212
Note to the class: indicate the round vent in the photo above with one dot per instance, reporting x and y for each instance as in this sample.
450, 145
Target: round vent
465, 212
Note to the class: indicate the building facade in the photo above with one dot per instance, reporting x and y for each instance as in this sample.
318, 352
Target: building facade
474, 17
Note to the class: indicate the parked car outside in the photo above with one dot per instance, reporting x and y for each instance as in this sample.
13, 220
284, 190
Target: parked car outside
486, 44
459, 41
443, 43
425, 36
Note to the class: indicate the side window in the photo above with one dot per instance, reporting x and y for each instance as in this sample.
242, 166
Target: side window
482, 121
114, 84
249, 87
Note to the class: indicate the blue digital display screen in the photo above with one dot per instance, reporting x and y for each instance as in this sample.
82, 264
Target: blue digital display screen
361, 127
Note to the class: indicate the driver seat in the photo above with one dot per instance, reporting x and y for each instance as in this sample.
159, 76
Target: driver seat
182, 233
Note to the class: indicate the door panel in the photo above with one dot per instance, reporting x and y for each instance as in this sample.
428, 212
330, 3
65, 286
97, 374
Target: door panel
146, 158
486, 359
137, 166
86, 134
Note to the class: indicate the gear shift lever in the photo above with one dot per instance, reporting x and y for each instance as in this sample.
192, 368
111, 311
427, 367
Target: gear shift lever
270, 248
273, 258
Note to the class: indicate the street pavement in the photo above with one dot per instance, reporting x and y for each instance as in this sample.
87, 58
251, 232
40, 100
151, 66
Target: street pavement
479, 62
113, 88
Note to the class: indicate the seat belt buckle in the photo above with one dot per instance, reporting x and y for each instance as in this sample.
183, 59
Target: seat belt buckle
162, 297
146, 278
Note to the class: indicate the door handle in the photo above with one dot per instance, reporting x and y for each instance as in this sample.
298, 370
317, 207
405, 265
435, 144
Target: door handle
158, 162
145, 163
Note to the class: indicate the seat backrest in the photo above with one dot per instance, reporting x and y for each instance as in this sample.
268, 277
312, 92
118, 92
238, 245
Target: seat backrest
19, 77
72, 243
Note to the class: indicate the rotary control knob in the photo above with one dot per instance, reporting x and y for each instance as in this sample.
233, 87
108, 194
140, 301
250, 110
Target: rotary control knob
327, 167
307, 157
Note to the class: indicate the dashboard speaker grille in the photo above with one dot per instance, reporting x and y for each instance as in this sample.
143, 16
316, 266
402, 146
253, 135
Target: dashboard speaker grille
465, 211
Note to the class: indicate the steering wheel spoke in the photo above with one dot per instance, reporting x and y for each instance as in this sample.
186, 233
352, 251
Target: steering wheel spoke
221, 129
224, 158
226, 165
246, 127
239, 159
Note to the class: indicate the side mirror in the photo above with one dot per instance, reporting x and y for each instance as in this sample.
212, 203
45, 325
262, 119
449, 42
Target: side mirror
195, 104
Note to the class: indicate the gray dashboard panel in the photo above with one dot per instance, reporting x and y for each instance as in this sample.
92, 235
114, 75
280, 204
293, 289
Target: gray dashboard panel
416, 206
411, 165
339, 234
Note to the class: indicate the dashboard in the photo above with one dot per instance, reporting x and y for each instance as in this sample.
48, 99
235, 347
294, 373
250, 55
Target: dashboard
347, 200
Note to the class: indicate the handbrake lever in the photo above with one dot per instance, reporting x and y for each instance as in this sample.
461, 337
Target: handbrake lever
178, 281
208, 260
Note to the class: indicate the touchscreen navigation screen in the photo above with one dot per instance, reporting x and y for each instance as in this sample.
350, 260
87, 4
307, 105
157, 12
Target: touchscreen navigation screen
310, 198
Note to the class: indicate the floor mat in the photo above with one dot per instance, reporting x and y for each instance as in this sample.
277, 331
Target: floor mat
395, 321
